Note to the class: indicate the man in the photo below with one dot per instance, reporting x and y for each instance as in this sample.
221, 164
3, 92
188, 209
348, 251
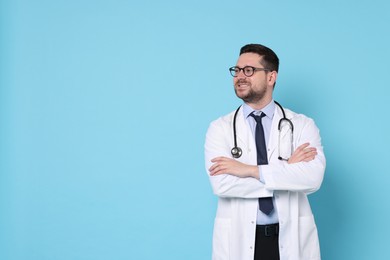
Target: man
262, 183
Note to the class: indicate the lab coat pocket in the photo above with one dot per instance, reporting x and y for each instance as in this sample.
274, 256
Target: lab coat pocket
308, 238
221, 239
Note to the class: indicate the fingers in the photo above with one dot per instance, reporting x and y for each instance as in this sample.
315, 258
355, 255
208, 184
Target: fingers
303, 153
217, 169
219, 166
307, 154
302, 146
224, 165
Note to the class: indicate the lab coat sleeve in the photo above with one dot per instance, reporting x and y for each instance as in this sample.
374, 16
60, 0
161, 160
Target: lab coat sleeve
226, 185
304, 176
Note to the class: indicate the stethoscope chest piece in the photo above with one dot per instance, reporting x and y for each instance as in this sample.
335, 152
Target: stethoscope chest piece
236, 152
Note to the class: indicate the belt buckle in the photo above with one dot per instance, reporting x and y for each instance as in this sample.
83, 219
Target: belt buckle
271, 230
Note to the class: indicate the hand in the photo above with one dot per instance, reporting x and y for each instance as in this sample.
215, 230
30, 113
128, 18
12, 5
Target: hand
224, 165
303, 153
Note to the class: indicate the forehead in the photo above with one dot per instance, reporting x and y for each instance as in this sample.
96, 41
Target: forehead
248, 59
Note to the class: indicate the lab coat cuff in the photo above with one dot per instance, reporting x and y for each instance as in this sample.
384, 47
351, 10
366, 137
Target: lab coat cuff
261, 177
267, 175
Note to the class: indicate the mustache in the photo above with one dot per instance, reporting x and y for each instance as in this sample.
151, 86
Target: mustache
242, 81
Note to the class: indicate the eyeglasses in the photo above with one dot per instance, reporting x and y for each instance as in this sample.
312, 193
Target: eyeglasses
247, 70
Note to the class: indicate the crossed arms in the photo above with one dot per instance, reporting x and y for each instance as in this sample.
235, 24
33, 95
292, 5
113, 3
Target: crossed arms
233, 178
224, 165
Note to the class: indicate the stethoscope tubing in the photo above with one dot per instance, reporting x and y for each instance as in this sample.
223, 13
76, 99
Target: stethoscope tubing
237, 151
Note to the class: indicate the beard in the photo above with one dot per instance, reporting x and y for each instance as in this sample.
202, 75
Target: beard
251, 96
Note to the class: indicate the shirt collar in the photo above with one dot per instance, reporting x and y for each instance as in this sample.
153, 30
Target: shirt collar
268, 110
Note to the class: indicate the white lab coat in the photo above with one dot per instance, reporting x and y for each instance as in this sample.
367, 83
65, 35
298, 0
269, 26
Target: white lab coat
235, 222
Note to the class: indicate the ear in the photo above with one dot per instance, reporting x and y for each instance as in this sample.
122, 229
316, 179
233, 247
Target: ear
272, 76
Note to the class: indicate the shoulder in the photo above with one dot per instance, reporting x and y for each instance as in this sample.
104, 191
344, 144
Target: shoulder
218, 130
221, 126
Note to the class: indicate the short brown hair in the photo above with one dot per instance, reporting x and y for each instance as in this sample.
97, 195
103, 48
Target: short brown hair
269, 59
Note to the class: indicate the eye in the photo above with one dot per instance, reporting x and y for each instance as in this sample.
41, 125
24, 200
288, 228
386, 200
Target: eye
248, 70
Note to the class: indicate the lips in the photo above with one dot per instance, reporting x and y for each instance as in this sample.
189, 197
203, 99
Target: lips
242, 84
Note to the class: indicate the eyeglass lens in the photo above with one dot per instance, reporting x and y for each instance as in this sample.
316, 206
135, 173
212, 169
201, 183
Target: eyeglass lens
248, 71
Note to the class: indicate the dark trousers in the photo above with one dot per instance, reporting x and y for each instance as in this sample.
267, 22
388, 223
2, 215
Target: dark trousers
267, 242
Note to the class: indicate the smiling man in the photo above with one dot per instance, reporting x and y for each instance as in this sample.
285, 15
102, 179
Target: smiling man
263, 160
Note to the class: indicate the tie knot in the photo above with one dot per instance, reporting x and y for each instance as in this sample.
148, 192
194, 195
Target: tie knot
256, 117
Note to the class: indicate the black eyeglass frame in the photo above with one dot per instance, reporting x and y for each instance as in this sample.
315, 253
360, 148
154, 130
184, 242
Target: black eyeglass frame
254, 69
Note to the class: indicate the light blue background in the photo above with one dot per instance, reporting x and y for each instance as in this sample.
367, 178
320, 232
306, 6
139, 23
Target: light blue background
104, 107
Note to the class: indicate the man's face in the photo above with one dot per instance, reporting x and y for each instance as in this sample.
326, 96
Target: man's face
257, 87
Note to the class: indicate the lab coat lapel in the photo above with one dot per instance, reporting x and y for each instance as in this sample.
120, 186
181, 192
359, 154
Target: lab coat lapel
274, 134
245, 138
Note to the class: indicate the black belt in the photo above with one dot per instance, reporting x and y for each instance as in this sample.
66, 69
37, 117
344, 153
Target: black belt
268, 230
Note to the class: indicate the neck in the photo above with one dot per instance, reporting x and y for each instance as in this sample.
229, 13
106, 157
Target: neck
260, 104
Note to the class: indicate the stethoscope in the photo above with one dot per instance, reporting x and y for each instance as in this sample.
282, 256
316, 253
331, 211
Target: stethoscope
237, 151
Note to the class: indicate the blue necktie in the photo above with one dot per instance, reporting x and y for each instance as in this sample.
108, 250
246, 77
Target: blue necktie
265, 204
